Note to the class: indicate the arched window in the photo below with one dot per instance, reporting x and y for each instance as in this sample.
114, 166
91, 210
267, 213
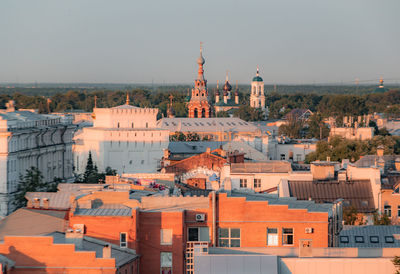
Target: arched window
118, 125
147, 125
203, 113
132, 125
195, 113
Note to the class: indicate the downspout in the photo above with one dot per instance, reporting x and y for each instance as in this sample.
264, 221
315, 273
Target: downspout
214, 219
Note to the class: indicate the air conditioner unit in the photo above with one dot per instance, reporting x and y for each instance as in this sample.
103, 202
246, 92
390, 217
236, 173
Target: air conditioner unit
200, 217
309, 230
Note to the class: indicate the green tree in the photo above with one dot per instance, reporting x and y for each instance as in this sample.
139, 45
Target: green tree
381, 219
350, 215
32, 181
91, 174
222, 114
110, 171
248, 113
177, 137
316, 127
293, 128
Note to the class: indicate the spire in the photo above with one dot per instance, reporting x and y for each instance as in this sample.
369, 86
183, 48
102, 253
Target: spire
200, 62
258, 71
127, 98
217, 84
227, 77
381, 81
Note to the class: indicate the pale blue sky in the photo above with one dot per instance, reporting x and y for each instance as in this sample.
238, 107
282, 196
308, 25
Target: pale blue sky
132, 41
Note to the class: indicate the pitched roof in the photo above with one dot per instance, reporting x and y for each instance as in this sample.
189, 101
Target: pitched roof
262, 167
373, 236
357, 193
233, 124
57, 200
20, 222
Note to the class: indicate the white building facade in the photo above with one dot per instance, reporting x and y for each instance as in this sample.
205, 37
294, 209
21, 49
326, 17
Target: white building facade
28, 139
125, 138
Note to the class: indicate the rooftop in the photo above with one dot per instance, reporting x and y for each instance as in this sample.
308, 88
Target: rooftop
291, 202
121, 255
262, 167
370, 236
357, 193
206, 124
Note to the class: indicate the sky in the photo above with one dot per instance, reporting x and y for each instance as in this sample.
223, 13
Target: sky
128, 41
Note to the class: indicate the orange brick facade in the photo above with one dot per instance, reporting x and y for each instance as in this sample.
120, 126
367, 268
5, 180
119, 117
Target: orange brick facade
37, 254
390, 205
253, 218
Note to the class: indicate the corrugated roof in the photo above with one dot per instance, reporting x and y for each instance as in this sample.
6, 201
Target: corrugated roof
233, 124
262, 167
357, 193
105, 210
121, 255
374, 236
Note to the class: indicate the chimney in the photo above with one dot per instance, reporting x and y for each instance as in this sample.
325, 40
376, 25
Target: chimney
107, 251
46, 203
166, 153
74, 237
36, 202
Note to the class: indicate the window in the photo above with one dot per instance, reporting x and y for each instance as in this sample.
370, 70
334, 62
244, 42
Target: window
298, 157
257, 183
118, 125
229, 237
344, 239
166, 262
243, 183
388, 210
389, 239
374, 239
272, 236
166, 236
359, 239
147, 125
198, 234
287, 236
283, 157
123, 240
398, 211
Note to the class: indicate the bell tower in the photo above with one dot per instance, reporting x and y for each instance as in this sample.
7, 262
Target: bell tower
198, 106
257, 97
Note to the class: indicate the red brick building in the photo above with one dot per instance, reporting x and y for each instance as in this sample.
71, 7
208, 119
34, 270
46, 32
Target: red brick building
165, 228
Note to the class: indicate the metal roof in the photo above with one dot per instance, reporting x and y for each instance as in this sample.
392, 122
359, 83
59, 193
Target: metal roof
193, 147
57, 200
291, 202
105, 210
232, 124
121, 255
372, 236
357, 193
262, 167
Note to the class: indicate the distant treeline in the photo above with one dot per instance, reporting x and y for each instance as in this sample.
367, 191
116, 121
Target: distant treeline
328, 101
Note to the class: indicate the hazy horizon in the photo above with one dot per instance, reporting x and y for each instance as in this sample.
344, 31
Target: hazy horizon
123, 42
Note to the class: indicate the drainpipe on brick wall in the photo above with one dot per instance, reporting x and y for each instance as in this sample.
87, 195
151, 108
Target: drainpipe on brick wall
214, 219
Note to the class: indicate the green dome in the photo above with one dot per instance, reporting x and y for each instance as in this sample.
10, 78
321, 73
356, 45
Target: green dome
257, 79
